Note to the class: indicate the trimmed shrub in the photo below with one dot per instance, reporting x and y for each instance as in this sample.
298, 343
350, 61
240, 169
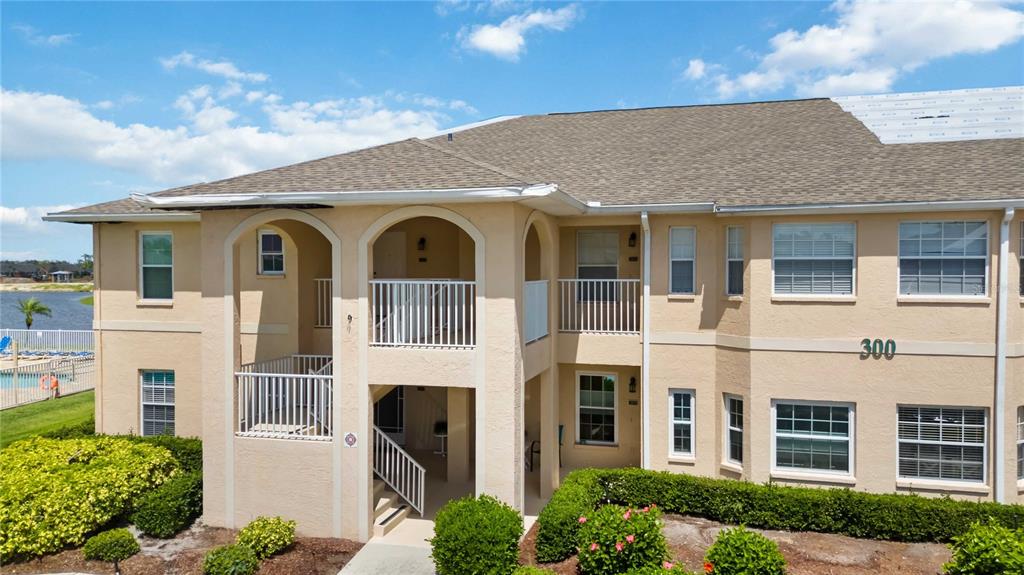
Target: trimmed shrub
476, 536
55, 492
172, 507
188, 451
578, 495
615, 539
895, 517
987, 550
666, 568
230, 560
739, 551
267, 536
113, 546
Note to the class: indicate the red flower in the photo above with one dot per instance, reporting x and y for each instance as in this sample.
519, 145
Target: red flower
618, 545
594, 546
582, 519
708, 567
630, 538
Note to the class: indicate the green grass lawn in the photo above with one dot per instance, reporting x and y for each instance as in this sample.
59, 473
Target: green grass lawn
87, 300
29, 420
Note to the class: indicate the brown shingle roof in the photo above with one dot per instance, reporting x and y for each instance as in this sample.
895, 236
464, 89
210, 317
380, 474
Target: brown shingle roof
769, 153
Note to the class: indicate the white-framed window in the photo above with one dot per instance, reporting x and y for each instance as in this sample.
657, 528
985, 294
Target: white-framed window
682, 259
942, 443
271, 253
596, 408
943, 258
1020, 442
734, 260
813, 437
157, 402
597, 258
734, 429
814, 259
681, 418
156, 265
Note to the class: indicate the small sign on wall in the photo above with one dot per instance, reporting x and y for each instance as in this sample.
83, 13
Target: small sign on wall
877, 348
351, 439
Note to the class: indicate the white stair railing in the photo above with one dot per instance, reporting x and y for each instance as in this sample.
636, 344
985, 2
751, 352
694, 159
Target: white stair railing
535, 307
423, 313
599, 306
399, 470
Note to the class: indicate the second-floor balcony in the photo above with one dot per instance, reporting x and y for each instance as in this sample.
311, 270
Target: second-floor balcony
599, 305
423, 313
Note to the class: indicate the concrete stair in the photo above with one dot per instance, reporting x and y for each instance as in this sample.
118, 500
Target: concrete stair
388, 510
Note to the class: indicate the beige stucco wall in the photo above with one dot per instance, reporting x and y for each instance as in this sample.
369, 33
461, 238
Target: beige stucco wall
755, 346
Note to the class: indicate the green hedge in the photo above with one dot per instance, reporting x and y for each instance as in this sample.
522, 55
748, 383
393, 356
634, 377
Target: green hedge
230, 560
987, 550
172, 507
893, 517
267, 536
188, 451
739, 551
55, 492
86, 428
476, 535
114, 545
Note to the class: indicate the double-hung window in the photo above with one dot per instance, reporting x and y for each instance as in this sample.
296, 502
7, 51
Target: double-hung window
271, 253
813, 259
157, 402
1020, 442
813, 437
682, 256
681, 410
943, 258
944, 443
596, 408
734, 260
156, 266
734, 429
597, 258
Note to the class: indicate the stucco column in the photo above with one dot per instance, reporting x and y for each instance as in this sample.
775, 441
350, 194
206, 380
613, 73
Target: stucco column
549, 451
459, 431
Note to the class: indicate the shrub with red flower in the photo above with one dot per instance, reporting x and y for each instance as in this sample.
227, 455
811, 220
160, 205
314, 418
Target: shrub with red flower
616, 540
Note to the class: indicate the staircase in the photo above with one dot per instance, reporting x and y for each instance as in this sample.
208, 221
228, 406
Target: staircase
388, 509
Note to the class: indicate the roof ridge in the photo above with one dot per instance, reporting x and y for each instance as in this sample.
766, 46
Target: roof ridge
474, 161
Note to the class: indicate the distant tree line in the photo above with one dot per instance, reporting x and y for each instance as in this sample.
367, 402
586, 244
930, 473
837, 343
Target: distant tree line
41, 269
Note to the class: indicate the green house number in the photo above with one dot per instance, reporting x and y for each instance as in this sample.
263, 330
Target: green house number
877, 348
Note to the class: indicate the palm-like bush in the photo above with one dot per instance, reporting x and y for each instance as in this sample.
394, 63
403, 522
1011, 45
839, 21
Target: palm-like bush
30, 307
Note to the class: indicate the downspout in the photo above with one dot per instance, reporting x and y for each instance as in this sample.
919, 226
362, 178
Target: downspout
1000, 406
645, 363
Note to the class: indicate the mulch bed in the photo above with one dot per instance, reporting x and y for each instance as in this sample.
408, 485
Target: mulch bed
183, 555
806, 553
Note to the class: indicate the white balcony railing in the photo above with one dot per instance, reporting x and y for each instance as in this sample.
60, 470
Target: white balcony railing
285, 398
423, 313
599, 306
535, 310
323, 302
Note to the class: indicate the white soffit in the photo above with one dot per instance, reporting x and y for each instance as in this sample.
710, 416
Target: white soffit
943, 116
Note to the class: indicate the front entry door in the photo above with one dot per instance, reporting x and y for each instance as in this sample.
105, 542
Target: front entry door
389, 414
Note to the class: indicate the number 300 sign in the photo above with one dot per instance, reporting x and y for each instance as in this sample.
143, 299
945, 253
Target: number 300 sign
877, 348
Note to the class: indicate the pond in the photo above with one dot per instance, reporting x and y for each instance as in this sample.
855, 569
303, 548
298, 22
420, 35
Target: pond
68, 311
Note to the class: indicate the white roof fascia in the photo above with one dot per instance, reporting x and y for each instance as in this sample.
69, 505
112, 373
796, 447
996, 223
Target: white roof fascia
867, 208
148, 217
595, 208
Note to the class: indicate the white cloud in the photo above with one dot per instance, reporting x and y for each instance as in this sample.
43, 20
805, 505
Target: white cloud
507, 40
696, 69
224, 68
34, 36
210, 145
870, 46
28, 218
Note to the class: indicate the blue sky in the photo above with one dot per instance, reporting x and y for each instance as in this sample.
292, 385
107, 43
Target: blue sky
100, 100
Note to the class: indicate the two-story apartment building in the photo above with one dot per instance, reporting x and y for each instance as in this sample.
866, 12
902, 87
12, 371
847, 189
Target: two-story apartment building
817, 292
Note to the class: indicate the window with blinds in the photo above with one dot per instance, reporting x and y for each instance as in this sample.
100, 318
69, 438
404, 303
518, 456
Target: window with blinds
156, 266
157, 402
681, 422
596, 408
271, 253
809, 259
945, 443
813, 437
943, 258
734, 428
734, 260
682, 257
